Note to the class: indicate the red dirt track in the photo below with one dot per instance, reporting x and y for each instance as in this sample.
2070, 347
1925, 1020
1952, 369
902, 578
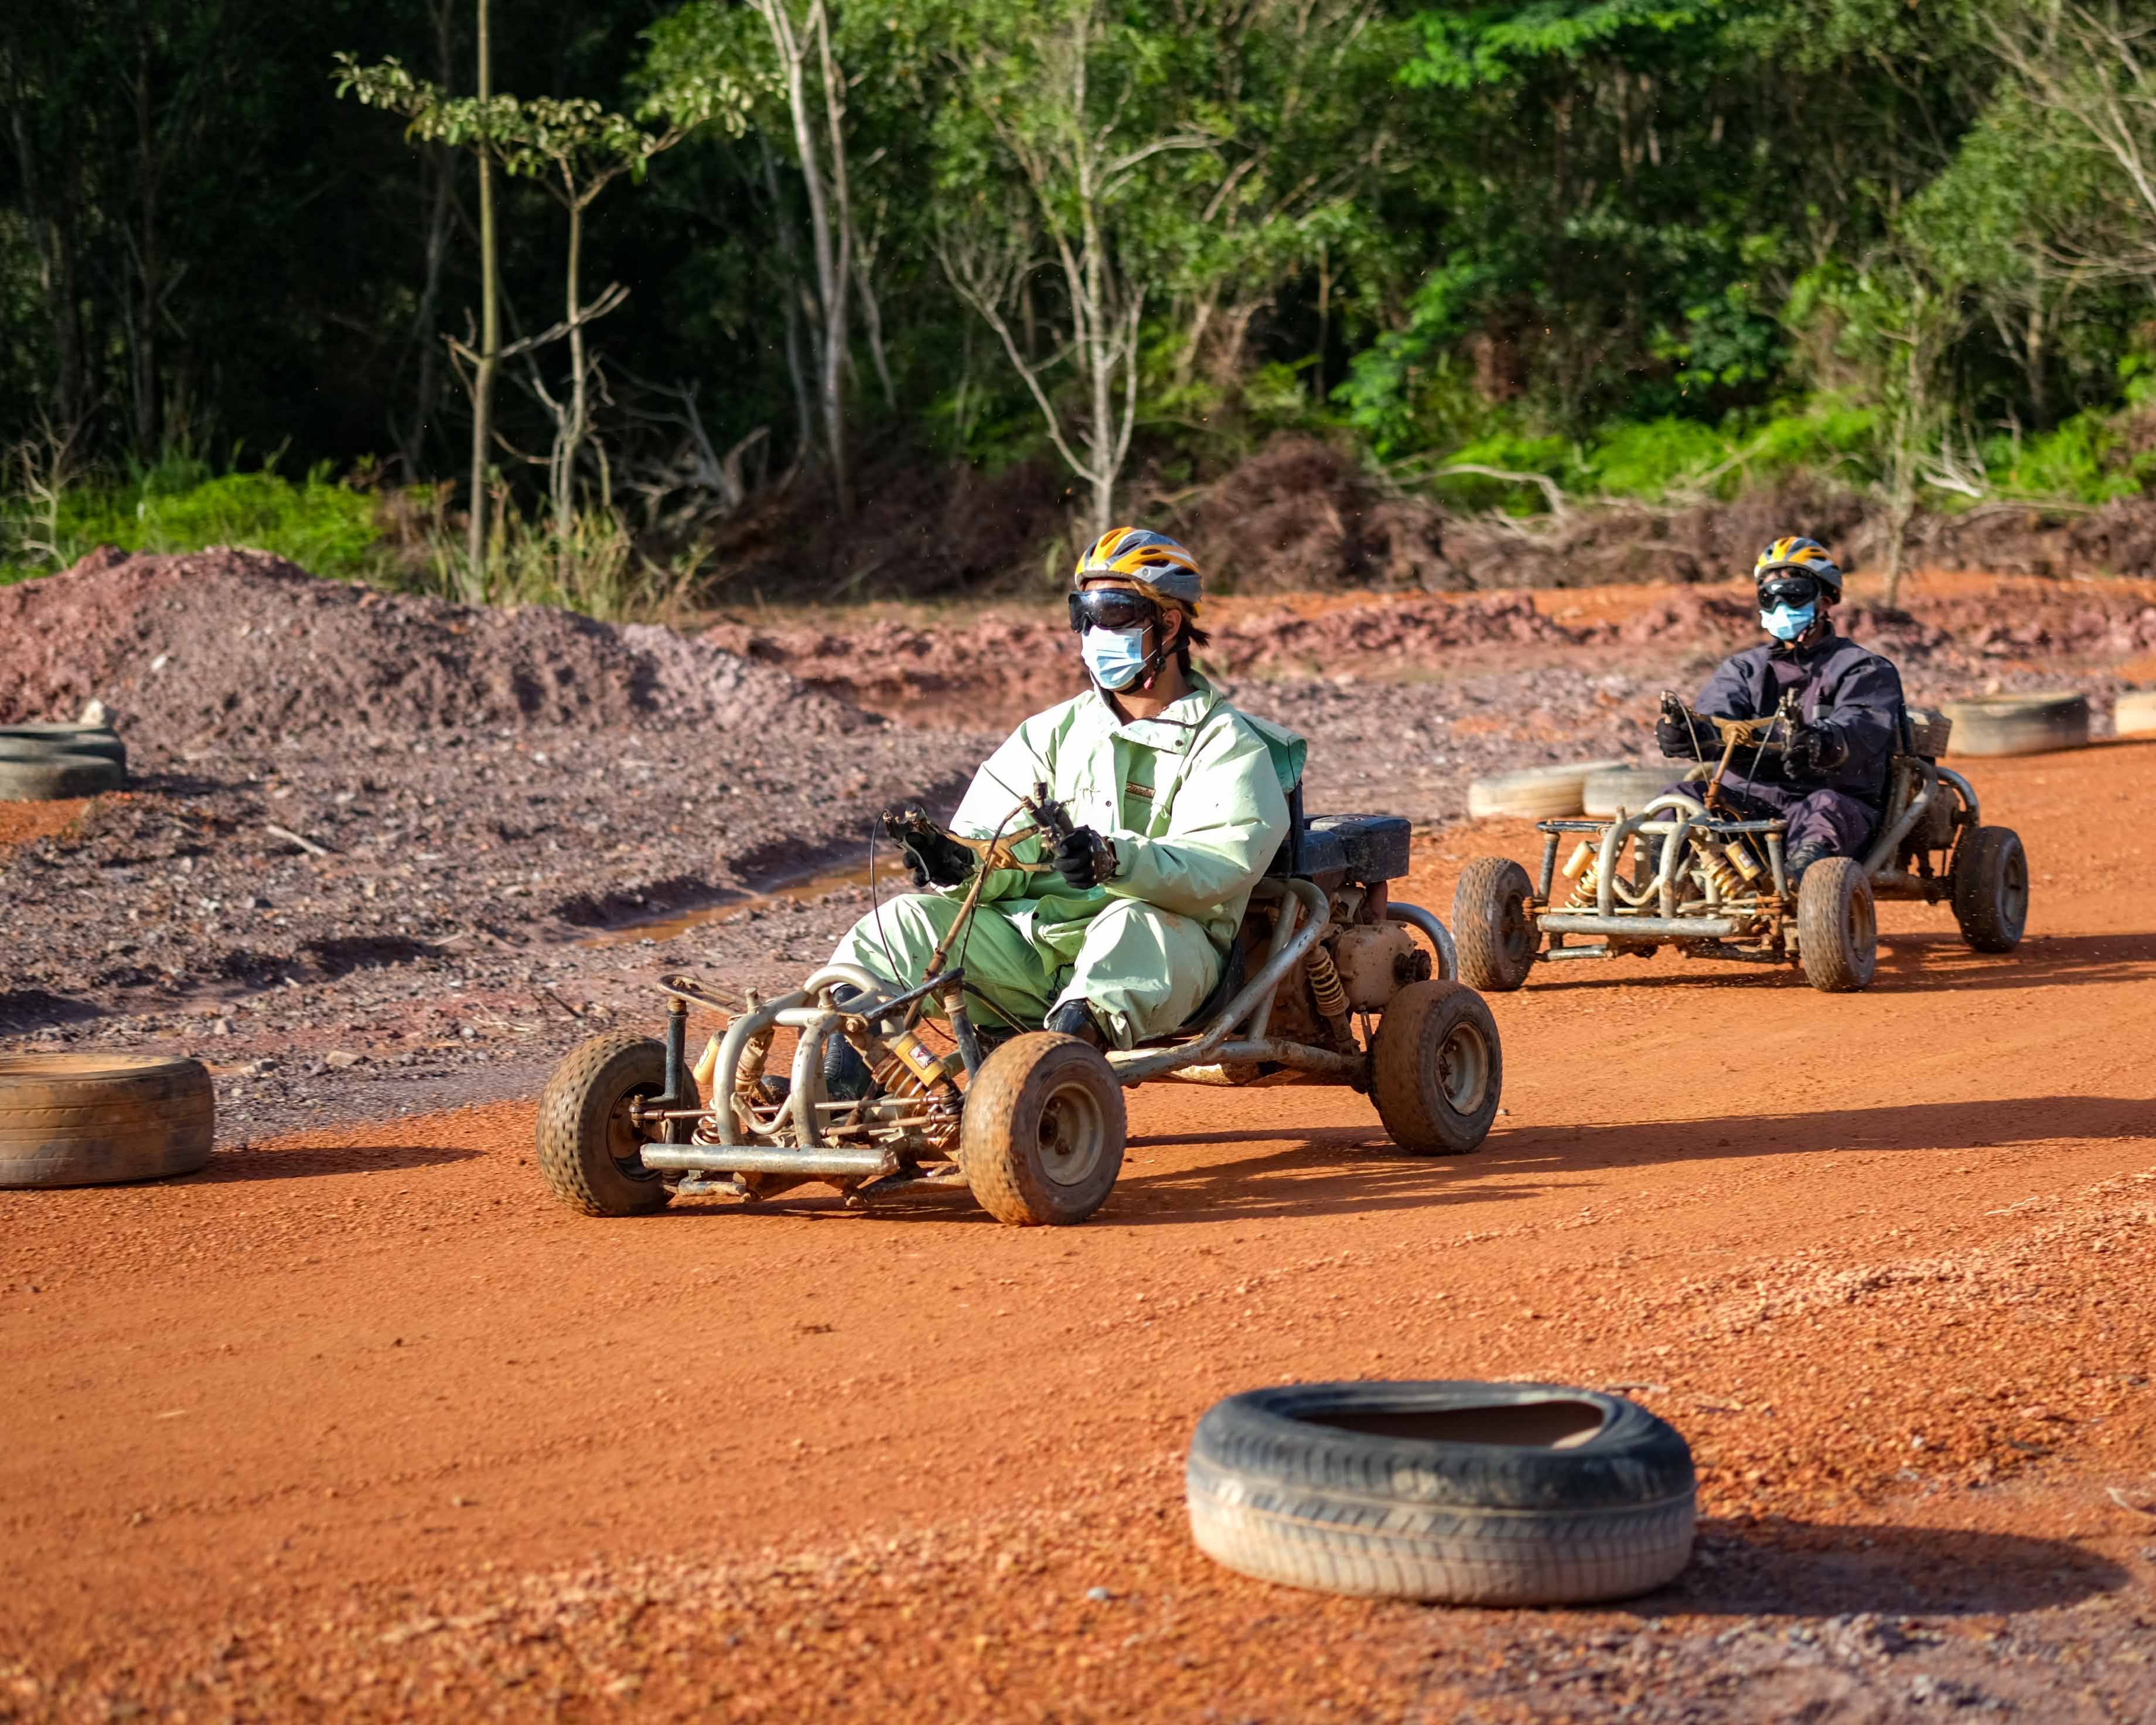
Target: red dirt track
359, 1424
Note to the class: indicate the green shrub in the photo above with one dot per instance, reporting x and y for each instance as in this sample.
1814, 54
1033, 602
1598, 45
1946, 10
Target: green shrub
2086, 459
178, 505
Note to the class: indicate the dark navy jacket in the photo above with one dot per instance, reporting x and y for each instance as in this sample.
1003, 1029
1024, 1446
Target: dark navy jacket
1841, 687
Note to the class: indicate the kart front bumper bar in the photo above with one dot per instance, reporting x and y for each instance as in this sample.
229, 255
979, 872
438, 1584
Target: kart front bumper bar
1646, 928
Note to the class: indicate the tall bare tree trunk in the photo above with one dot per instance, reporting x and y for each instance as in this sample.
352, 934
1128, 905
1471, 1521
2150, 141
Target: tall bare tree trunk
489, 356
149, 266
571, 436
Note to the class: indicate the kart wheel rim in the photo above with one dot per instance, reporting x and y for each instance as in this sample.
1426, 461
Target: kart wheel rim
1463, 1068
2013, 889
1073, 1135
1862, 922
625, 1139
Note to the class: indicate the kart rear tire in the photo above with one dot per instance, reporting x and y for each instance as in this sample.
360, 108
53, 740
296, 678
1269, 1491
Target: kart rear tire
1991, 883
97, 1119
589, 1154
1437, 1069
1837, 926
1494, 937
1041, 1141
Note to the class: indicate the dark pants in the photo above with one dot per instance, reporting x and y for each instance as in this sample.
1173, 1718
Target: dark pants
1843, 824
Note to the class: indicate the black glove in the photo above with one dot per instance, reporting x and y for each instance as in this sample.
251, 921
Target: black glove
1084, 858
1682, 740
932, 856
1814, 751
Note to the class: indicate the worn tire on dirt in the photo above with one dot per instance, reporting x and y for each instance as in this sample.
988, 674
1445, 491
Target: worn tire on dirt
1041, 1141
2135, 715
588, 1152
1473, 1494
1990, 884
1491, 931
1837, 926
1437, 1070
2019, 724
57, 777
1537, 793
92, 1120
1631, 788
35, 743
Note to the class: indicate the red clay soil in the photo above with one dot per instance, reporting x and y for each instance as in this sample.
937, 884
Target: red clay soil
361, 1425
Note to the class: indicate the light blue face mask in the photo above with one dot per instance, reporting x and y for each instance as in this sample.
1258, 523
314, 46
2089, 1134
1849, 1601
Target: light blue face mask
1785, 622
1114, 656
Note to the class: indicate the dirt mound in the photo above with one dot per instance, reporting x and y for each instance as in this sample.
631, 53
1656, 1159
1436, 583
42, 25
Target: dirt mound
227, 646
1299, 516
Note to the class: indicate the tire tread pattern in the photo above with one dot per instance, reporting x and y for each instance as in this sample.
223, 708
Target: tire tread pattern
1403, 1069
572, 1117
1486, 887
76, 1120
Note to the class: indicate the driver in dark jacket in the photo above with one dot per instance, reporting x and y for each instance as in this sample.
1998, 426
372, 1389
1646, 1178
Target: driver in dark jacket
1831, 780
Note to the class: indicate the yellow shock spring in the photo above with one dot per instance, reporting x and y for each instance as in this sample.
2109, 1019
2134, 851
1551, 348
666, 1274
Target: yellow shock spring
1728, 884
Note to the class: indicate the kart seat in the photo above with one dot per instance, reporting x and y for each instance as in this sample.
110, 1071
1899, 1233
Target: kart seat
1334, 850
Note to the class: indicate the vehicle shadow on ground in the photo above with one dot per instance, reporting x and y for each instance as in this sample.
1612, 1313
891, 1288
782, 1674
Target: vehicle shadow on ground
249, 1162
1913, 964
1801, 1569
1909, 964
1316, 1171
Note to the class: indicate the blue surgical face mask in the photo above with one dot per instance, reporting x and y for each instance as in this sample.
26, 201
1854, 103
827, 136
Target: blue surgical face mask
1785, 622
1114, 656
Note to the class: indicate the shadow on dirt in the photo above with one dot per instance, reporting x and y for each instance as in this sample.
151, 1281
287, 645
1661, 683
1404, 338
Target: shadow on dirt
246, 1163
1357, 1168
1909, 964
1798, 1569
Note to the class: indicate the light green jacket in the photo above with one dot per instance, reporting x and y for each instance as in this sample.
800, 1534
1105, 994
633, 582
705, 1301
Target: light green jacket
1195, 802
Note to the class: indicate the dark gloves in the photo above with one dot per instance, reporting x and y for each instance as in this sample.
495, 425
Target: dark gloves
932, 856
1682, 740
1814, 752
1084, 858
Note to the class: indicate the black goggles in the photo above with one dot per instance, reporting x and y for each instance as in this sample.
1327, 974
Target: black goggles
1113, 608
1794, 590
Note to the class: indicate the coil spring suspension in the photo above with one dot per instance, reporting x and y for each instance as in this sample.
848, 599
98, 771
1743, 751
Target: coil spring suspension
1727, 883
1332, 998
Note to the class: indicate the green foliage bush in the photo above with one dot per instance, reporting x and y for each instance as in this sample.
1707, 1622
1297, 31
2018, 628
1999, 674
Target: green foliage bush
179, 506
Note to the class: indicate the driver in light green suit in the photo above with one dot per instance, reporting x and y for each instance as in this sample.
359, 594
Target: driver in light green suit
1179, 803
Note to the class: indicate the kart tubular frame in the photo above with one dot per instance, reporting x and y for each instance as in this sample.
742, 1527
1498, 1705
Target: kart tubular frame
1305, 913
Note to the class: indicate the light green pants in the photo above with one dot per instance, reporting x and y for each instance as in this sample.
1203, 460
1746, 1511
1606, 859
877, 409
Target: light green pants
1142, 969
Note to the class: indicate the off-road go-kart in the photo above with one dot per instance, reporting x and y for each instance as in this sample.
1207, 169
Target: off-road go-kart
1032, 1121
1684, 871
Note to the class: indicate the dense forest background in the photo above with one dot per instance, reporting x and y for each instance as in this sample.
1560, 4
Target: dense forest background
834, 301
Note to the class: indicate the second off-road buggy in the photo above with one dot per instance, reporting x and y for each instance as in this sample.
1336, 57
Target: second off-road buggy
1326, 984
1686, 871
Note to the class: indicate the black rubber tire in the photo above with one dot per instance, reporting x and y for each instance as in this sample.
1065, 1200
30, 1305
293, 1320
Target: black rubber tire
56, 776
32, 742
1837, 926
1990, 884
1041, 1141
1437, 1069
1494, 936
583, 1135
93, 1120
1354, 1488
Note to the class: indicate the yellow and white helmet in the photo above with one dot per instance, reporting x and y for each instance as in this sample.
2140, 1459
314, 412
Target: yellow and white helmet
1793, 555
1154, 563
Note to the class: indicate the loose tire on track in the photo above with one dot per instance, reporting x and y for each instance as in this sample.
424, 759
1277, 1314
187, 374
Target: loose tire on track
1472, 1494
1631, 788
2019, 724
1837, 926
52, 778
31, 742
1041, 1141
92, 1120
2135, 715
1990, 884
1437, 1070
589, 1152
1494, 936
1539, 792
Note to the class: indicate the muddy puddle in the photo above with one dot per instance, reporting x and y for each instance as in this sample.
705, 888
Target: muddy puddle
805, 889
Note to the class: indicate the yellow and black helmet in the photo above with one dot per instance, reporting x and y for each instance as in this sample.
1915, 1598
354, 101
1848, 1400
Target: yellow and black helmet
1793, 555
1154, 561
